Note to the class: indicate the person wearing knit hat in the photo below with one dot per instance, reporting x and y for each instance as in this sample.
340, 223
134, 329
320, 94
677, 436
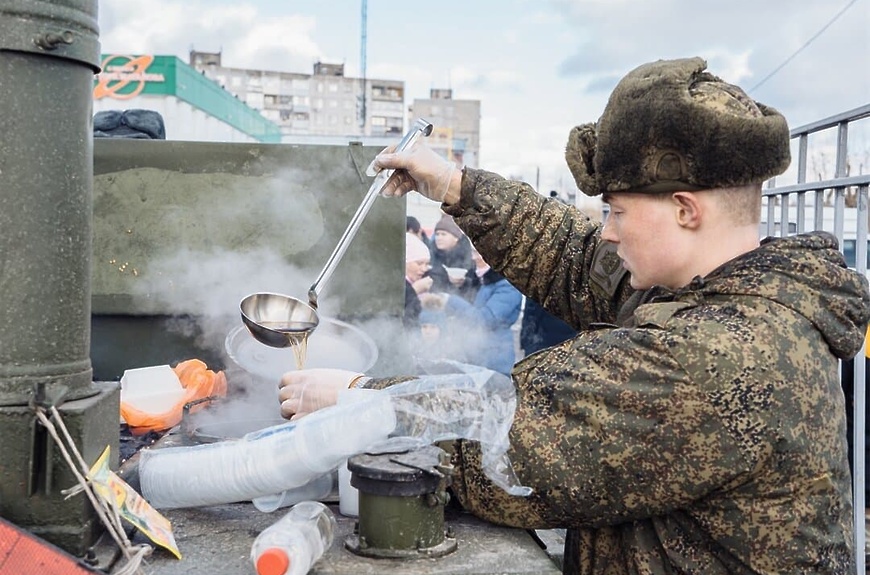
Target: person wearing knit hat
431, 326
415, 249
451, 249
416, 279
695, 423
447, 224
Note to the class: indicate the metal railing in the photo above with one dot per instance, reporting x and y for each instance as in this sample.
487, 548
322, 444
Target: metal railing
840, 206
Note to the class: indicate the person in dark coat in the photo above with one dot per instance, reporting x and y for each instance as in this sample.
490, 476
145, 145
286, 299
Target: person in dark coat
413, 227
416, 279
451, 252
847, 381
540, 328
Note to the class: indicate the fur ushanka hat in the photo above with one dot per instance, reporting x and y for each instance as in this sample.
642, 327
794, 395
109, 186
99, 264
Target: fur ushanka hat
671, 126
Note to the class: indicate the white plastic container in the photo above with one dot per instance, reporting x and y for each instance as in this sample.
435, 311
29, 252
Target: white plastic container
154, 389
315, 490
348, 495
263, 462
337, 345
295, 542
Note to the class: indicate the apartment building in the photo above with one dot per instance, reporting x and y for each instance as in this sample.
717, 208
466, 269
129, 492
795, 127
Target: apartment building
457, 125
327, 106
456, 135
323, 103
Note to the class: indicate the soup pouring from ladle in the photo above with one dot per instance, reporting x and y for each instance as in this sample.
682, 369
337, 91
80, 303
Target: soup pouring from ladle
279, 320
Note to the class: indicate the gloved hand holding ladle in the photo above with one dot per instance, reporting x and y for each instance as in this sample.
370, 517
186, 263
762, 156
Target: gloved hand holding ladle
279, 320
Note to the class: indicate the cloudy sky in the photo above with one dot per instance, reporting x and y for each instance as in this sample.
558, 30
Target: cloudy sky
538, 66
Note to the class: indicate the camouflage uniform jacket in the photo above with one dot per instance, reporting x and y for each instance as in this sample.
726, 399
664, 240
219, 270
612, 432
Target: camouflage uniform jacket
692, 431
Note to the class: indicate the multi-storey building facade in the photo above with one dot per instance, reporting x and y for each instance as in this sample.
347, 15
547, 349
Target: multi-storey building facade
456, 135
328, 107
323, 103
457, 125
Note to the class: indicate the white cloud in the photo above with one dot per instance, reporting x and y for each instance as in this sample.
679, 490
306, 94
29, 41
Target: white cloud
538, 67
239, 30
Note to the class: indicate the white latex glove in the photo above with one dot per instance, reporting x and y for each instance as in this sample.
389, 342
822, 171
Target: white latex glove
417, 168
305, 391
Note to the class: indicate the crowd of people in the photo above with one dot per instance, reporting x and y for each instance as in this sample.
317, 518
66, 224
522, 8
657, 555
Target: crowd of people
458, 308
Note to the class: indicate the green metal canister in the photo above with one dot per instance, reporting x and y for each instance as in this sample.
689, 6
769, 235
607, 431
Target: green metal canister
401, 504
49, 52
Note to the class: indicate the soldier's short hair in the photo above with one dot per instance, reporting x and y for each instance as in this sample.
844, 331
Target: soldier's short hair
741, 204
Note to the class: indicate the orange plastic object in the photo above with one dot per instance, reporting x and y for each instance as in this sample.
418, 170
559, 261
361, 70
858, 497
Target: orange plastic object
198, 382
22, 553
273, 561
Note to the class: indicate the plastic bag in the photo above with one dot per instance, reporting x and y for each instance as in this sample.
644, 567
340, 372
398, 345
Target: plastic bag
458, 401
130, 505
198, 382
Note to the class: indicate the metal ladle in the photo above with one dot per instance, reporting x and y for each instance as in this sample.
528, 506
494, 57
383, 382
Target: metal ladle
279, 320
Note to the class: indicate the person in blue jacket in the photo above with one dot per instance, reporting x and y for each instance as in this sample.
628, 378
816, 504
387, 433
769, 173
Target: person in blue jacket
481, 330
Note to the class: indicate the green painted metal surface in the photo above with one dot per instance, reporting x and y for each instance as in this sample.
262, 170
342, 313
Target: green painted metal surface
33, 470
63, 29
400, 522
184, 230
45, 212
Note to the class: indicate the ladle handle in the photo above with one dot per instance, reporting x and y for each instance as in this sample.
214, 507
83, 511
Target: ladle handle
420, 127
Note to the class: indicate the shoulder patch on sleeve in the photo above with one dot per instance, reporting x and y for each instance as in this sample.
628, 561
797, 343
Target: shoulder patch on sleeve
607, 270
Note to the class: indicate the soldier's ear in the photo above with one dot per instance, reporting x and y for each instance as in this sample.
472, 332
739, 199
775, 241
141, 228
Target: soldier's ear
689, 209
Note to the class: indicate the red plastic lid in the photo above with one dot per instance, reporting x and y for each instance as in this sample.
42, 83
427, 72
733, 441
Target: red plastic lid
273, 561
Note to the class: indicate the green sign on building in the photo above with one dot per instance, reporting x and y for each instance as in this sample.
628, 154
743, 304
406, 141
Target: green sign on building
124, 77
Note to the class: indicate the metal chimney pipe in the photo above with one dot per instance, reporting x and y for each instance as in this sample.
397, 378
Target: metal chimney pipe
49, 52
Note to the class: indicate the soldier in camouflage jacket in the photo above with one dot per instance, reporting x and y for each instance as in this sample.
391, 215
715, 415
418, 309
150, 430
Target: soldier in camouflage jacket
695, 430
696, 423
